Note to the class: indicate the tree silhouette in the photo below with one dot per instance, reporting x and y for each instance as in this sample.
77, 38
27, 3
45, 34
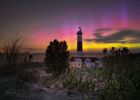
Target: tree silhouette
105, 50
112, 50
57, 56
125, 50
119, 50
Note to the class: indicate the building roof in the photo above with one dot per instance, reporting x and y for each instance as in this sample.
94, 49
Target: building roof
93, 59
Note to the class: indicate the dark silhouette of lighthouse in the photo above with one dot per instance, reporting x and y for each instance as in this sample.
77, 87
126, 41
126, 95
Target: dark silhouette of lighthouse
79, 41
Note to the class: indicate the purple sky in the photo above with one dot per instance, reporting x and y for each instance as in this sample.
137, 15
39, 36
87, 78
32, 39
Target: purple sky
44, 20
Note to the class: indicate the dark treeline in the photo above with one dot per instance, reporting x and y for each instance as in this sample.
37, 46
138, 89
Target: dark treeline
114, 51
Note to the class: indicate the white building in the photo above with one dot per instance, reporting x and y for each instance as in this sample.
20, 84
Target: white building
88, 62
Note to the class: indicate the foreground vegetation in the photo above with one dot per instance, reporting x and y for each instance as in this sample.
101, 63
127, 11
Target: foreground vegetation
119, 79
122, 78
15, 71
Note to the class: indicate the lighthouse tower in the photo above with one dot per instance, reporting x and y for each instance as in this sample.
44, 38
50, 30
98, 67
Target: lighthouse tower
79, 42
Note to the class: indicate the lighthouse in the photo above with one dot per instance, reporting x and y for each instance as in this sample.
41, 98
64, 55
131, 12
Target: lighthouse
79, 42
83, 59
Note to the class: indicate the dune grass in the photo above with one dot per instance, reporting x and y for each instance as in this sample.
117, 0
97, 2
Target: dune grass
14, 67
122, 78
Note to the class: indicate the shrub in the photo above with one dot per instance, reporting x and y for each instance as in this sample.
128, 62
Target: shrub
80, 80
57, 56
122, 78
26, 76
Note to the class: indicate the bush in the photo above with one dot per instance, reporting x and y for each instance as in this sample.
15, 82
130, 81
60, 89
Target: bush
122, 78
57, 56
26, 76
80, 80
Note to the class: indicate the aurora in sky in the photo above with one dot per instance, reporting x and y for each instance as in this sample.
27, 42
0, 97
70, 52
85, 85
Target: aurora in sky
105, 23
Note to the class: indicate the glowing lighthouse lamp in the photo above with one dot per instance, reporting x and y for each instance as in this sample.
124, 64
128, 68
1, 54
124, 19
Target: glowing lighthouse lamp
79, 42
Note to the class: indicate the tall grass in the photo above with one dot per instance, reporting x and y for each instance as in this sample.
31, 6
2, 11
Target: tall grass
122, 78
14, 58
80, 80
12, 51
14, 55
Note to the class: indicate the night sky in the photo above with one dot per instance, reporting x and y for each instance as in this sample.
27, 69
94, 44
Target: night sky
105, 23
